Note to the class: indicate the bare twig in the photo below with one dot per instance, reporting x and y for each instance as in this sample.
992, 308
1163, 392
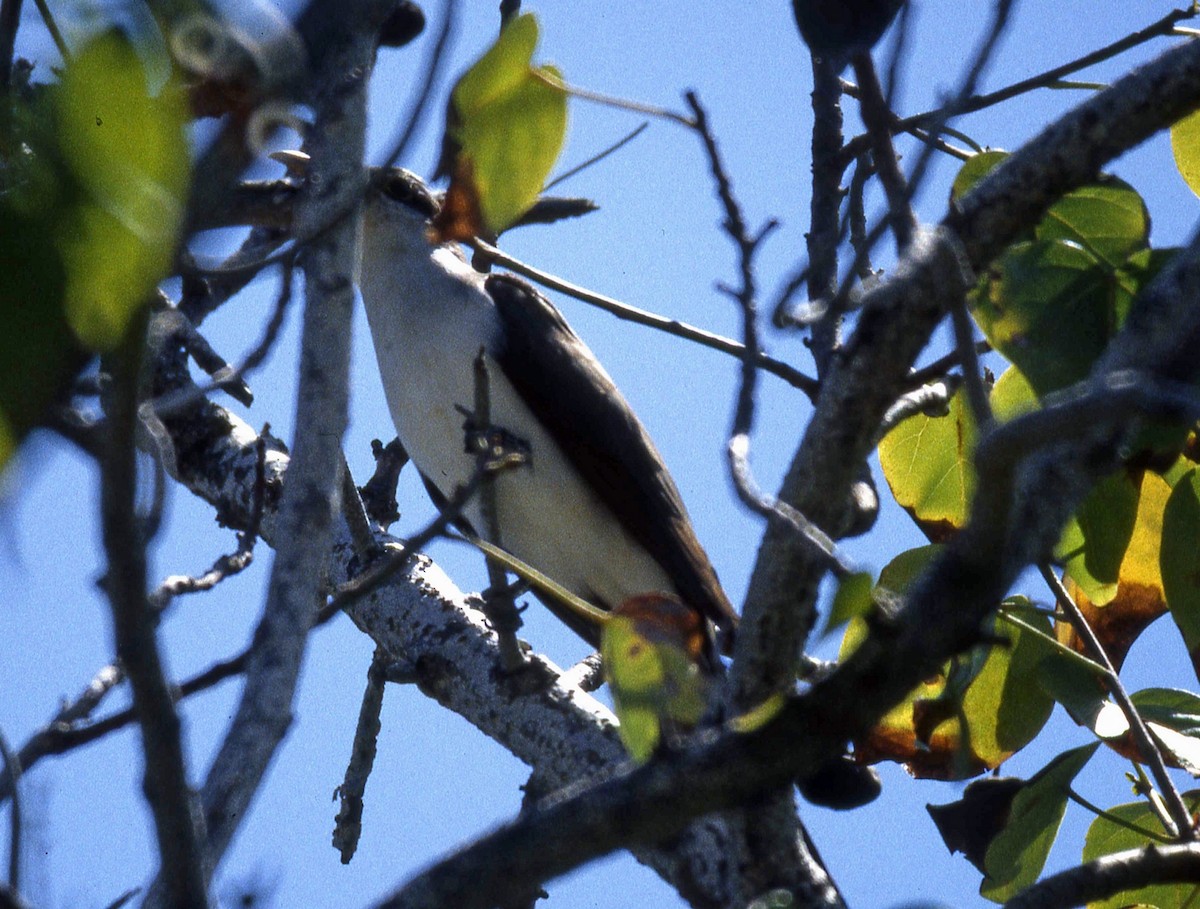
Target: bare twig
172, 803
52, 27
305, 523
792, 376
10, 21
824, 232
498, 600
876, 116
1164, 27
738, 446
354, 512
1180, 816
348, 825
379, 494
598, 157
12, 772
782, 842
942, 365
228, 378
433, 69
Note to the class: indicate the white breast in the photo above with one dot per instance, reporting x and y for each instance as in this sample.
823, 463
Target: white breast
428, 322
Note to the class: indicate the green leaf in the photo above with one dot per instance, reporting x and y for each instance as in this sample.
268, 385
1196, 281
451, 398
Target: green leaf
1113, 834
994, 691
129, 153
1012, 396
1015, 858
1108, 219
974, 169
1185, 144
511, 120
1179, 559
1173, 716
1005, 706
38, 352
927, 463
852, 600
1093, 543
1050, 309
651, 648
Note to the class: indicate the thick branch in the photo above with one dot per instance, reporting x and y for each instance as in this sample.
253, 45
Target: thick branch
896, 323
1111, 875
306, 516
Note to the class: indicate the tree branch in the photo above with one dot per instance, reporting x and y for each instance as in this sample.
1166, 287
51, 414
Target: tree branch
177, 820
1110, 875
344, 54
896, 322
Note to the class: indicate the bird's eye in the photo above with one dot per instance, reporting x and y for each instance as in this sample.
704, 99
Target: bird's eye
406, 190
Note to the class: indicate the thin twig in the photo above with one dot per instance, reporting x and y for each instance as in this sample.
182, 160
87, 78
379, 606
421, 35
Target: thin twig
362, 536
52, 27
1000, 18
789, 374
1115, 819
348, 825
824, 232
942, 365
10, 21
738, 446
964, 345
370, 580
12, 770
424, 93
177, 821
596, 158
1180, 816
228, 565
498, 601
229, 378
637, 107
876, 116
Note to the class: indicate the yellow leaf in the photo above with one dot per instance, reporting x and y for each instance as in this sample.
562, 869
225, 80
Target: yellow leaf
1185, 144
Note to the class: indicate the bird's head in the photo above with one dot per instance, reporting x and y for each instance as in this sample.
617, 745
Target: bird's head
398, 206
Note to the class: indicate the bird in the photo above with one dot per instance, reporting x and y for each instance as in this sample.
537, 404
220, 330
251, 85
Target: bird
594, 506
838, 29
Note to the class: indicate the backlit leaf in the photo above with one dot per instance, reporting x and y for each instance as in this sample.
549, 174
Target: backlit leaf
1180, 560
128, 151
1134, 826
1107, 218
1139, 598
927, 464
651, 647
852, 600
994, 691
1049, 308
1093, 543
1185, 144
1015, 858
974, 169
509, 123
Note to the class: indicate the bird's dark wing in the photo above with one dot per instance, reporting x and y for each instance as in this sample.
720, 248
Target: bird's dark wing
586, 415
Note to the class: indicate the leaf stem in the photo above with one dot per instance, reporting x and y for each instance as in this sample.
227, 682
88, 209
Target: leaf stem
1180, 817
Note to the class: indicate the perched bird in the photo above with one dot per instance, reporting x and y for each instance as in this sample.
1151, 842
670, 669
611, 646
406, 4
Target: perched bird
594, 507
838, 29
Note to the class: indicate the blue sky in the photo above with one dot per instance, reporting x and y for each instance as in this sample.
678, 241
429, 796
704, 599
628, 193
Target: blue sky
655, 243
